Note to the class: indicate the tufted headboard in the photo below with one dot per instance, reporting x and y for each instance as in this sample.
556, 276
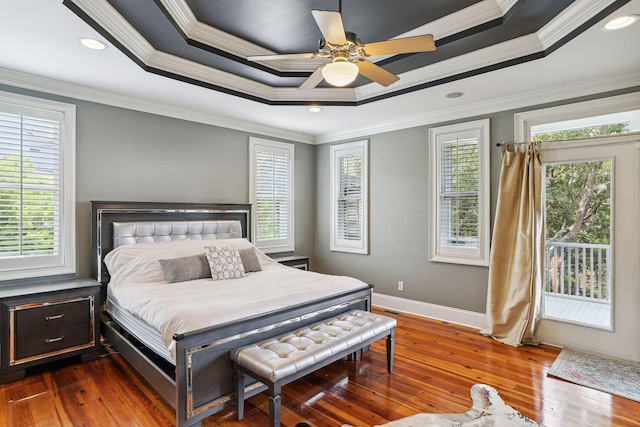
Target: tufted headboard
130, 233
115, 224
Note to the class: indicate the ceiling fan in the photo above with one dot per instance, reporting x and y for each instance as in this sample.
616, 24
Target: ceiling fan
348, 56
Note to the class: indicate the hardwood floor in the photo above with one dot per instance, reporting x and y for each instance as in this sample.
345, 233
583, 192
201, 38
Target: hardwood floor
435, 366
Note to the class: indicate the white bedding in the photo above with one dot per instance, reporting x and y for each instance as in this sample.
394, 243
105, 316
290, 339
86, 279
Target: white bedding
137, 282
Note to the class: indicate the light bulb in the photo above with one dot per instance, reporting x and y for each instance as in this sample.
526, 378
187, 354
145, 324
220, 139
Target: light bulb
340, 73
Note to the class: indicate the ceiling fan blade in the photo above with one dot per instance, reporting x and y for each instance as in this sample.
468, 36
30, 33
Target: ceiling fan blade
330, 24
314, 79
283, 56
376, 73
406, 45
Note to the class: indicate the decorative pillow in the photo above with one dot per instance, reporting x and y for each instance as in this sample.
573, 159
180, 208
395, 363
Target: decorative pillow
249, 260
225, 262
185, 268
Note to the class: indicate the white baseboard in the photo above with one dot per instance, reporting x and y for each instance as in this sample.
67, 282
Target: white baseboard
433, 311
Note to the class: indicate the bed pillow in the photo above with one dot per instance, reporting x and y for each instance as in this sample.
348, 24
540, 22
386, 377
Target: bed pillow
225, 262
249, 259
185, 268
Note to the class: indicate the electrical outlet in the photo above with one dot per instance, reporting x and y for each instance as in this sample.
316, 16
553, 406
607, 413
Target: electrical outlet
401, 286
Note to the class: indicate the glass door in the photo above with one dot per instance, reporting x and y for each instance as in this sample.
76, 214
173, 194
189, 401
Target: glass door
591, 297
578, 251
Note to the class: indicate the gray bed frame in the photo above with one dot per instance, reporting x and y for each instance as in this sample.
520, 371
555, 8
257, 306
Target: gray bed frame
201, 382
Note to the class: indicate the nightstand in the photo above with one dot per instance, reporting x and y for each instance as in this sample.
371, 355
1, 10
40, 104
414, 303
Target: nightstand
295, 261
43, 322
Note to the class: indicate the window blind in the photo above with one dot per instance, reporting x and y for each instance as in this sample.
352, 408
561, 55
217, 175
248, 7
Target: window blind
29, 186
350, 206
349, 197
272, 194
459, 193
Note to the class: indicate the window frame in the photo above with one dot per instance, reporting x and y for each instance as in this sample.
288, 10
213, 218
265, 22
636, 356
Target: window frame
65, 262
337, 244
438, 251
275, 245
524, 121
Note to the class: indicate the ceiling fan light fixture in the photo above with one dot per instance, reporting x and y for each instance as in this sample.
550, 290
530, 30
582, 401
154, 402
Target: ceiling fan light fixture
340, 73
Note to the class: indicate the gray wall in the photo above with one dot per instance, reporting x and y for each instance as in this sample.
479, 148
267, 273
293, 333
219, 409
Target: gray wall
399, 224
399, 218
129, 155
125, 155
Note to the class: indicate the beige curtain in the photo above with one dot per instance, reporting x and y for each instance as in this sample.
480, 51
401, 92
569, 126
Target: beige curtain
517, 249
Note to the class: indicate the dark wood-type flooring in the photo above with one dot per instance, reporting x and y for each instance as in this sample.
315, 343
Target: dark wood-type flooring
435, 365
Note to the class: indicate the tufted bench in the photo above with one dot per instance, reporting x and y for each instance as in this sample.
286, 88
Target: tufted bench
278, 361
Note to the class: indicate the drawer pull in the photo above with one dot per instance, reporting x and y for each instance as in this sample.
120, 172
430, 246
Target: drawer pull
57, 316
52, 340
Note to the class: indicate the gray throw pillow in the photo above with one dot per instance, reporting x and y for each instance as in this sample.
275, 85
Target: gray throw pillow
185, 268
250, 260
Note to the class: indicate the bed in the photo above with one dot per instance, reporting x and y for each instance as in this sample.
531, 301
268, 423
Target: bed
180, 344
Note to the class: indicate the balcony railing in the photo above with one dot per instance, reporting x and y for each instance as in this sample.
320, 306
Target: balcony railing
578, 271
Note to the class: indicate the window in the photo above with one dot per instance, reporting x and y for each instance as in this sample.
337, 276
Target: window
583, 120
460, 193
349, 201
271, 183
37, 187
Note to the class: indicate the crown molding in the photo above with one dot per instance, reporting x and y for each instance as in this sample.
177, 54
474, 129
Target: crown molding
462, 20
531, 98
570, 19
108, 18
472, 16
495, 54
84, 93
182, 69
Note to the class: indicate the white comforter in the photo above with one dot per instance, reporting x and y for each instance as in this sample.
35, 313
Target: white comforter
138, 284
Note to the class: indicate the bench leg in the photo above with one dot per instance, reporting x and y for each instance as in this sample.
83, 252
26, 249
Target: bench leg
274, 406
239, 385
390, 345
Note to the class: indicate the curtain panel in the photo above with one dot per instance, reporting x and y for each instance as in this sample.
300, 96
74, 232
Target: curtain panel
517, 253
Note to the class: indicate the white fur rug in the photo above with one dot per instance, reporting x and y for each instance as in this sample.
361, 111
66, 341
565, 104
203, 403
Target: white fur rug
488, 410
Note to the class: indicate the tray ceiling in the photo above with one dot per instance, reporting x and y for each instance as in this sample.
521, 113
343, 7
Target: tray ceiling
206, 43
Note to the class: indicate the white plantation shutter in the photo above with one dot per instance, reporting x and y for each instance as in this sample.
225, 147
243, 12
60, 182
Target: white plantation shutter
349, 197
460, 193
459, 184
35, 234
272, 194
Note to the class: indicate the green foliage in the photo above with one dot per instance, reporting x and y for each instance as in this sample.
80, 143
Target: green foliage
27, 209
578, 210
578, 195
582, 133
575, 190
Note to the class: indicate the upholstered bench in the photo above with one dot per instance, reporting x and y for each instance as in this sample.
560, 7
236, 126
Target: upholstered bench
278, 361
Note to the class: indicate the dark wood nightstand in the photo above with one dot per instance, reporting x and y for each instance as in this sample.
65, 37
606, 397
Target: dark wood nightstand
43, 322
295, 261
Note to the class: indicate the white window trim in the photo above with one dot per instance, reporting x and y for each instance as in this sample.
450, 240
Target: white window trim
524, 121
65, 263
289, 244
340, 245
479, 256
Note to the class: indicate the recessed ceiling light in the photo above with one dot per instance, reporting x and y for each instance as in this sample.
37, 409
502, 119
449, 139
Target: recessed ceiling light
314, 109
92, 43
455, 94
621, 22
